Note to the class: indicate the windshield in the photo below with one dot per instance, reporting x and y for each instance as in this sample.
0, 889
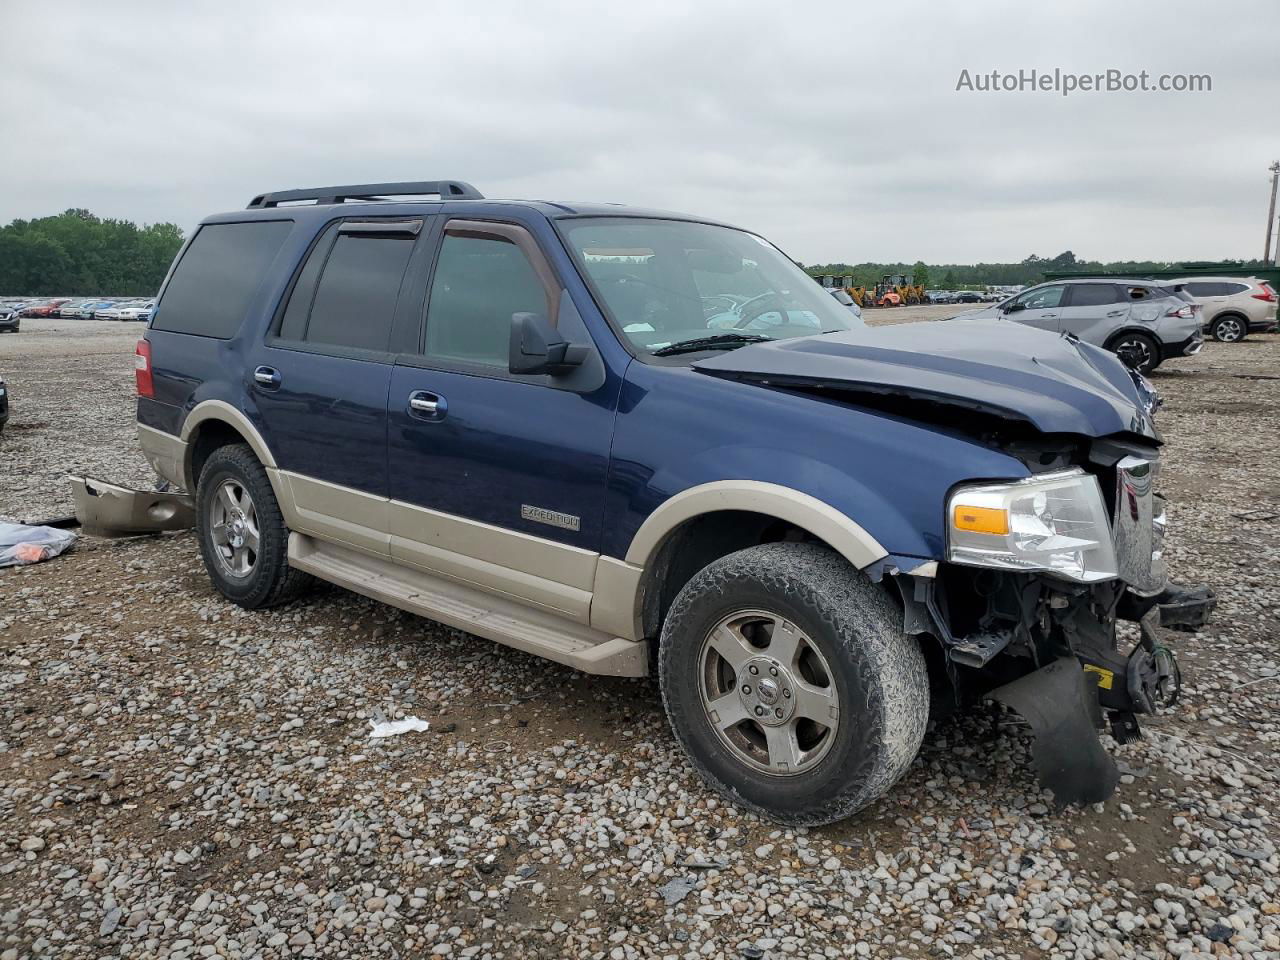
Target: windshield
668, 282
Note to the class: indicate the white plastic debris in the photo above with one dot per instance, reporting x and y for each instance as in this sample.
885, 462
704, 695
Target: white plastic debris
393, 728
21, 544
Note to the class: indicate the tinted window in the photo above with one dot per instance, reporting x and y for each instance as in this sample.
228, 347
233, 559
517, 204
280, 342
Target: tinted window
479, 283
355, 299
1201, 289
1093, 294
293, 325
217, 277
1231, 289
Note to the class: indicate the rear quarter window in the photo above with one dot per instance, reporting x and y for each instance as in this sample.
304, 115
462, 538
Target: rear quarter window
218, 275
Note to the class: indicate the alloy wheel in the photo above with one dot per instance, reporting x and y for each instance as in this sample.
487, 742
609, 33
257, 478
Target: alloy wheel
233, 528
768, 693
1229, 330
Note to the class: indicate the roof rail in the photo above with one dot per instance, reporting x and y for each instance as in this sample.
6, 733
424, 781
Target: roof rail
444, 189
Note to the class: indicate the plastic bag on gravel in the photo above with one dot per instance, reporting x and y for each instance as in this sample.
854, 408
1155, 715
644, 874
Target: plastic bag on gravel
21, 544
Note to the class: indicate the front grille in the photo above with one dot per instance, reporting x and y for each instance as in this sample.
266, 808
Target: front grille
1138, 526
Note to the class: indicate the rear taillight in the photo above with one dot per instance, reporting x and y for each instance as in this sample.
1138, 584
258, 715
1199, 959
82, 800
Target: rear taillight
142, 369
1184, 312
1267, 293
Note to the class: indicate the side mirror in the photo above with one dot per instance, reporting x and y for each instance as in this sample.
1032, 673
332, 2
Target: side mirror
537, 348
1014, 307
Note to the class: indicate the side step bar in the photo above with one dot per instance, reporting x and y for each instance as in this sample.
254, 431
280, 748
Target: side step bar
468, 608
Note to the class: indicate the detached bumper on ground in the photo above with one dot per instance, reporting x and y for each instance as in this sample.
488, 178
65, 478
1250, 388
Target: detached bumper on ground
108, 510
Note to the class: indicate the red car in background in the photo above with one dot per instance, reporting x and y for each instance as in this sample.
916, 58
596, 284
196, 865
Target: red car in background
45, 309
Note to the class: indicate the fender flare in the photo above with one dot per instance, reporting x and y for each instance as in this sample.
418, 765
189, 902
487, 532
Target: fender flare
819, 518
224, 412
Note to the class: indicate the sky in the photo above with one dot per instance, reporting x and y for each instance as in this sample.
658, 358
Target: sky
835, 129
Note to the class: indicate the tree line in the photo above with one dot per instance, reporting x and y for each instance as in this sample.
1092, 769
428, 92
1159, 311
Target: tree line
76, 253
957, 276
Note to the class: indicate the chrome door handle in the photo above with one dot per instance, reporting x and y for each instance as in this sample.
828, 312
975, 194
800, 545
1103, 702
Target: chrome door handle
267, 376
427, 406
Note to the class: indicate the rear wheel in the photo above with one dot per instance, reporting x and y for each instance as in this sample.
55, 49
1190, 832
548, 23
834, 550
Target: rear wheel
1229, 329
243, 538
1138, 350
790, 684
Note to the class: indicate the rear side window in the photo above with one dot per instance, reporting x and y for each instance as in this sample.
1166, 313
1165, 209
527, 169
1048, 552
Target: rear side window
218, 275
346, 293
1093, 294
1201, 289
1231, 289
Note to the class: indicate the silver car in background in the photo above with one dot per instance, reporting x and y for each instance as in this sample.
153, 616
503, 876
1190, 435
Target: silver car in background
1232, 307
1144, 322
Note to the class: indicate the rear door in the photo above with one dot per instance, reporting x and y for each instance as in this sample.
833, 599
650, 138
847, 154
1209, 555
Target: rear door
320, 380
498, 479
1093, 311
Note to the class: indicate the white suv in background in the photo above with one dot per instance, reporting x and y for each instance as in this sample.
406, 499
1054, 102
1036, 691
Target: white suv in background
1233, 307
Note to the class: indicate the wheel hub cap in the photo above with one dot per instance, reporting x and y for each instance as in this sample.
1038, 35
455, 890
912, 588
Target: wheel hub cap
766, 694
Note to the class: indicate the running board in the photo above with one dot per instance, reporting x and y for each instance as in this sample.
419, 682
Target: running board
468, 608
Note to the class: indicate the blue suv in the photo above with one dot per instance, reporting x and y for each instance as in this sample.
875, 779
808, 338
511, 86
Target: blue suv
634, 442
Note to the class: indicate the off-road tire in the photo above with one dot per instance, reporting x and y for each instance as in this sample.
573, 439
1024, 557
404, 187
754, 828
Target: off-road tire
272, 582
1229, 328
879, 673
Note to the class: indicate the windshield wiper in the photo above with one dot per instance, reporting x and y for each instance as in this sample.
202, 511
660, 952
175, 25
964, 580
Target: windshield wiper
718, 342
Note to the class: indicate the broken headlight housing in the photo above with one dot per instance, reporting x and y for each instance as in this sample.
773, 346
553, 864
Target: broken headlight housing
1054, 523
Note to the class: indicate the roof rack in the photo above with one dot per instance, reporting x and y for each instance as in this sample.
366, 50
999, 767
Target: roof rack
444, 189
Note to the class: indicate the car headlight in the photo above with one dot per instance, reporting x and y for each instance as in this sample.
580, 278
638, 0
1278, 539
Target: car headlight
1054, 522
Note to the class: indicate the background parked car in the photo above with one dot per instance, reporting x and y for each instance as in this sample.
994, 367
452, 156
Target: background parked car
1232, 307
10, 319
43, 308
1144, 322
967, 296
126, 310
4, 404
69, 308
941, 296
89, 308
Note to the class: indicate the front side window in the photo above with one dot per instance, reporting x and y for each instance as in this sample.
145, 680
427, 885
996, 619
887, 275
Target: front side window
480, 281
1042, 298
669, 282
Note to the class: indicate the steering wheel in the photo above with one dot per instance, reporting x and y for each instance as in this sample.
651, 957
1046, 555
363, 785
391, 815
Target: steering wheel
742, 308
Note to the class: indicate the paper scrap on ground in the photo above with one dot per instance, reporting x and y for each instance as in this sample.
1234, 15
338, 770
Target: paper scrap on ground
393, 728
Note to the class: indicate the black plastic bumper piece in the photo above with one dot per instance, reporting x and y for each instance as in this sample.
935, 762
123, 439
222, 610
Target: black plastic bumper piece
1062, 708
1186, 606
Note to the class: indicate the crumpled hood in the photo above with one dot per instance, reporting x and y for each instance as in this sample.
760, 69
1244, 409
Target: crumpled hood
1056, 384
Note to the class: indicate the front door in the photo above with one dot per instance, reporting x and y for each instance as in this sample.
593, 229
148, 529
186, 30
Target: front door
320, 380
1037, 307
498, 479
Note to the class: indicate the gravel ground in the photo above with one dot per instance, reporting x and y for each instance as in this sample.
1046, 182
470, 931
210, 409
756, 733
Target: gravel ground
179, 778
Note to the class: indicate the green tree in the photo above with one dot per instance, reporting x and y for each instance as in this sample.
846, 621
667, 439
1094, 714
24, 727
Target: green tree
920, 274
77, 253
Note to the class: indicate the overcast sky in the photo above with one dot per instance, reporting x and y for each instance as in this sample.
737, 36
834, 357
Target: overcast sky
834, 129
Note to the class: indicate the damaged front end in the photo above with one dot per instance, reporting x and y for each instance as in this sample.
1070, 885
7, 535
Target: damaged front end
1045, 644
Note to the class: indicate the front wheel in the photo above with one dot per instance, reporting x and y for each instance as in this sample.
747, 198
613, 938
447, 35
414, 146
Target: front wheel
789, 682
1138, 350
